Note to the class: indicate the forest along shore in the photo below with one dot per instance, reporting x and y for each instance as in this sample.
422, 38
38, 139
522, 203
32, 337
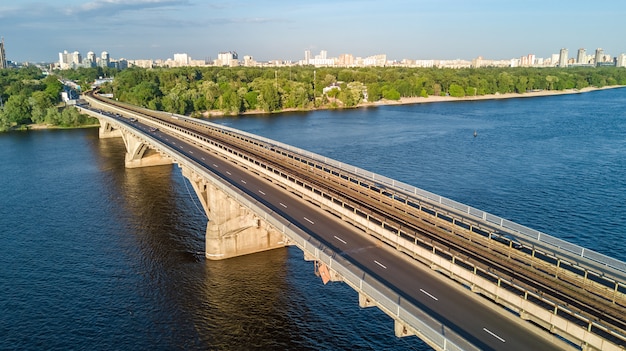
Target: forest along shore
421, 100
430, 99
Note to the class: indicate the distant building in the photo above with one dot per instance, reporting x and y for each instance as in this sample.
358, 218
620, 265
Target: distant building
376, 60
599, 58
90, 61
581, 57
563, 58
69, 60
141, 63
3, 58
345, 60
248, 61
621, 60
104, 59
229, 58
182, 59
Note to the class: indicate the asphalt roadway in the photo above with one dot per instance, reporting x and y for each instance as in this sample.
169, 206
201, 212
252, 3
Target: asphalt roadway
457, 308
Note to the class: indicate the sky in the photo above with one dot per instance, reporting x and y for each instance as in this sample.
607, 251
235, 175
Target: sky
36, 31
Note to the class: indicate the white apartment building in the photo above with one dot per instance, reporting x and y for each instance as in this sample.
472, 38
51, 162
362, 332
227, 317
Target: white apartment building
229, 59
621, 60
182, 59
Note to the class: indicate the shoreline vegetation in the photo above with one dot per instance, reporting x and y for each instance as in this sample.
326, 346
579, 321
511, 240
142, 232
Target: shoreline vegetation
31, 98
402, 101
422, 100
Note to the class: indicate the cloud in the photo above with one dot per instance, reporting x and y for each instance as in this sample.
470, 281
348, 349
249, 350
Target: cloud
32, 14
116, 7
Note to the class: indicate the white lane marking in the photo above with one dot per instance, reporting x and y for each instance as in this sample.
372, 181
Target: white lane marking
493, 334
216, 166
380, 264
283, 205
227, 172
203, 159
191, 152
262, 193
429, 294
243, 181
308, 220
340, 239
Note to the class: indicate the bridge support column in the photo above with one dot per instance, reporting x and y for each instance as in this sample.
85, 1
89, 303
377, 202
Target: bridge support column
139, 154
232, 229
401, 329
107, 131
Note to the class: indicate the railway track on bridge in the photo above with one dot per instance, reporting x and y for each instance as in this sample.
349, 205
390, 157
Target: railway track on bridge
498, 262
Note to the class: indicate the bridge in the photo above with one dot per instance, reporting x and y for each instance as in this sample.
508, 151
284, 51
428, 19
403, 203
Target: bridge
452, 275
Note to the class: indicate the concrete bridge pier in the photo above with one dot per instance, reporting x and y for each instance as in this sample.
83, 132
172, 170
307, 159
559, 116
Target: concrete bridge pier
107, 131
232, 229
139, 154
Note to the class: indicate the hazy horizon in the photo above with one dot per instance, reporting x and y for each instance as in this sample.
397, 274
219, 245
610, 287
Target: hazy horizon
278, 29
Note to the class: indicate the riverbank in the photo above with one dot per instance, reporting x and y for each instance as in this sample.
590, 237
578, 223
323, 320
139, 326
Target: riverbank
48, 126
429, 99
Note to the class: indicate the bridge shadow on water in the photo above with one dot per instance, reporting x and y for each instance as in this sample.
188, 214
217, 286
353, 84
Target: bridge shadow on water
269, 300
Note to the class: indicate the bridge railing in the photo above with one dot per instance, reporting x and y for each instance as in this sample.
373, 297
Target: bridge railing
421, 194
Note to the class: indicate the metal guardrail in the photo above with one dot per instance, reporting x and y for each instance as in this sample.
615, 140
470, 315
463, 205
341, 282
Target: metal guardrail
507, 225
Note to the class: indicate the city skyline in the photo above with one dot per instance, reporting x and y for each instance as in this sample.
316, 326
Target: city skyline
583, 58
281, 30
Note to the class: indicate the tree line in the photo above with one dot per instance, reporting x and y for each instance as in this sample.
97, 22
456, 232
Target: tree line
28, 96
234, 90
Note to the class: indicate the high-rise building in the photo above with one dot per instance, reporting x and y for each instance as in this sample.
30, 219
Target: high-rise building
104, 59
563, 58
3, 58
182, 59
90, 61
229, 58
77, 58
599, 56
582, 56
621, 60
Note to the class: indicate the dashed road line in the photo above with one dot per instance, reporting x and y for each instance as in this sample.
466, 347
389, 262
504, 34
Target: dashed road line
380, 264
308, 220
494, 334
340, 239
429, 295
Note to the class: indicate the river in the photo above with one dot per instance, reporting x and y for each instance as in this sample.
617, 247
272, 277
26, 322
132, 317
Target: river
96, 256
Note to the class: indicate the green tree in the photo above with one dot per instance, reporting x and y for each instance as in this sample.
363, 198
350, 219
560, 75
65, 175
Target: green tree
17, 109
456, 90
39, 102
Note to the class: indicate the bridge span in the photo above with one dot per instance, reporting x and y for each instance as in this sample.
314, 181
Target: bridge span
386, 239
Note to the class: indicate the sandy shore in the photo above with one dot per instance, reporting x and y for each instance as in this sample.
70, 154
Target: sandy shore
421, 100
430, 99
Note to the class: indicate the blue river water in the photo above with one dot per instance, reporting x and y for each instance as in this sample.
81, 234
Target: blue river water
96, 256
